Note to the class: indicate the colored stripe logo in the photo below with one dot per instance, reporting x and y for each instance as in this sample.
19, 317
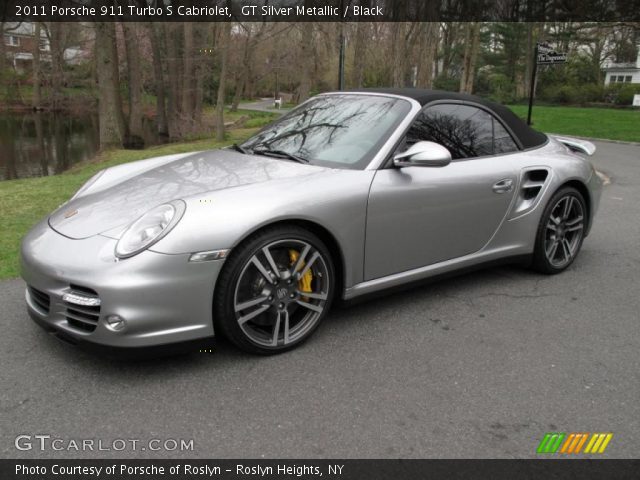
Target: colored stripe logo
572, 443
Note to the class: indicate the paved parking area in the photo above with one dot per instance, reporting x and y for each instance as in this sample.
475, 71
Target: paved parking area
477, 366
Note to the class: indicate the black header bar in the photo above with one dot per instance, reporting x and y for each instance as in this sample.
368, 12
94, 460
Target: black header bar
322, 10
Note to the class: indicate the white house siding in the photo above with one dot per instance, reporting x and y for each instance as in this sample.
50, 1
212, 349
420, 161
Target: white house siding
631, 75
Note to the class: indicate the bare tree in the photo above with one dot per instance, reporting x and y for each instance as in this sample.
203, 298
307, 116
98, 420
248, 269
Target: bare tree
37, 97
306, 60
428, 51
471, 43
158, 71
173, 34
56, 42
225, 41
134, 77
189, 80
112, 129
362, 34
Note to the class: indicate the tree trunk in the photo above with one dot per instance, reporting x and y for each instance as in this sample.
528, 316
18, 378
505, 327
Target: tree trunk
225, 40
429, 50
173, 31
471, 44
447, 46
475, 46
241, 81
188, 82
135, 137
112, 129
306, 61
44, 170
398, 54
363, 30
57, 61
3, 55
241, 77
158, 71
200, 70
37, 98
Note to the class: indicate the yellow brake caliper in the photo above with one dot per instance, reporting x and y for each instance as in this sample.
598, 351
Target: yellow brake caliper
304, 284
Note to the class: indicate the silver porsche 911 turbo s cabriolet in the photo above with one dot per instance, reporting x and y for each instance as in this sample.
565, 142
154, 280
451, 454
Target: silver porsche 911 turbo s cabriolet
348, 194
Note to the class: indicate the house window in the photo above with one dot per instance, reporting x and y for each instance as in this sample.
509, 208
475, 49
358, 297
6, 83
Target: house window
12, 40
627, 79
44, 44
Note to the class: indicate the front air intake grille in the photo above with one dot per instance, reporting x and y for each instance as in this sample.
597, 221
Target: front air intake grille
41, 299
82, 312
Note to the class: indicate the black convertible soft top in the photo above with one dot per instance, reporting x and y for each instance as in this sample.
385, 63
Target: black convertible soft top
528, 137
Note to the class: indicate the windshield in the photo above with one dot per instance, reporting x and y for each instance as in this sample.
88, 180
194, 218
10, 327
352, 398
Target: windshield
337, 131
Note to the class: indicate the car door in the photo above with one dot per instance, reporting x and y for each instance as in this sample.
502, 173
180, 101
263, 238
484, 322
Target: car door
419, 216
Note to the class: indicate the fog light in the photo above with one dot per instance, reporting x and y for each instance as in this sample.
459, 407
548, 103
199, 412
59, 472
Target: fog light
115, 323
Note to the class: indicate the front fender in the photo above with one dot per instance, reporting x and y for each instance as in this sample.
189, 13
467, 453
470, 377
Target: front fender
333, 199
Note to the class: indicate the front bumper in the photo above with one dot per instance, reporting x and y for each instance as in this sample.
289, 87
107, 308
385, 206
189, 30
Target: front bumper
163, 299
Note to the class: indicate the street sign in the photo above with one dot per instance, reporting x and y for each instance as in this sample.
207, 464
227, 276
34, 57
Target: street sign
543, 54
551, 58
544, 48
546, 55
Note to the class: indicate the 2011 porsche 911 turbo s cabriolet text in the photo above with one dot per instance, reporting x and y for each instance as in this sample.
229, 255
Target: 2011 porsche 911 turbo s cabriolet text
348, 194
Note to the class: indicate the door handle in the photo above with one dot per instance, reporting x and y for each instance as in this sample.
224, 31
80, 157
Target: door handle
503, 186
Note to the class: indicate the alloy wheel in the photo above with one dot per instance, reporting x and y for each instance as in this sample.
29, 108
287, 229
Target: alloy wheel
281, 292
564, 231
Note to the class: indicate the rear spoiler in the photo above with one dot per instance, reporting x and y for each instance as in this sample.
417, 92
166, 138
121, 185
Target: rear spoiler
576, 145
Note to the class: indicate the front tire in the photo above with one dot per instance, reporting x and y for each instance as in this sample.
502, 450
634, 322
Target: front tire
560, 232
274, 290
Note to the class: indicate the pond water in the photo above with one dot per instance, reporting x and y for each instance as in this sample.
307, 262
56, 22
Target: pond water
37, 144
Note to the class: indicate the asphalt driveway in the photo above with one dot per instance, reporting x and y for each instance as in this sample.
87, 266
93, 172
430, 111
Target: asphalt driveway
482, 365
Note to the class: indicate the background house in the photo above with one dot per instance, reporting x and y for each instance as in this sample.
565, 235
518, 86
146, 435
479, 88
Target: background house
19, 42
623, 72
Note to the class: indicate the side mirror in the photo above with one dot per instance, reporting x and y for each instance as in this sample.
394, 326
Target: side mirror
423, 154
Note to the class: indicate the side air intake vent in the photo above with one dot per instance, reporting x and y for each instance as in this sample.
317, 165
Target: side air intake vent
41, 299
532, 184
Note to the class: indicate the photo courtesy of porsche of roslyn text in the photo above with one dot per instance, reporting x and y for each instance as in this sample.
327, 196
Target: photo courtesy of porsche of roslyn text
285, 240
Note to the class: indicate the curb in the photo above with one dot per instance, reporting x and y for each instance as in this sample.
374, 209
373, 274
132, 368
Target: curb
606, 179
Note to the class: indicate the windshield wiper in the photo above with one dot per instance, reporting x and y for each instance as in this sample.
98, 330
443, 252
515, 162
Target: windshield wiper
280, 153
240, 149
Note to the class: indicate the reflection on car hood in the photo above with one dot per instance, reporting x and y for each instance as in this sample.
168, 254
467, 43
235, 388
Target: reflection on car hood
201, 172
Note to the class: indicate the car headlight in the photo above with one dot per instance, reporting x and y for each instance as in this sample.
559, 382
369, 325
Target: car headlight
149, 228
88, 184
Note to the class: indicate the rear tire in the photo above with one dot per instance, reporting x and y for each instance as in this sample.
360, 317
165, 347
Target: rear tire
560, 232
274, 290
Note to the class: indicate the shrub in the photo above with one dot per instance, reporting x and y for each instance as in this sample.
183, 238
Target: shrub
502, 88
621, 93
444, 82
626, 93
565, 94
591, 92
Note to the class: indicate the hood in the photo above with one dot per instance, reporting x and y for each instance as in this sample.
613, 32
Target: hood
123, 202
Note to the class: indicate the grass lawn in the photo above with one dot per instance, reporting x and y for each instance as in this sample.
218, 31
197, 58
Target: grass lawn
606, 123
24, 202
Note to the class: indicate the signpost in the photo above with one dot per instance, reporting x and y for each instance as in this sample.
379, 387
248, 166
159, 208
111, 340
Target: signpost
543, 54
